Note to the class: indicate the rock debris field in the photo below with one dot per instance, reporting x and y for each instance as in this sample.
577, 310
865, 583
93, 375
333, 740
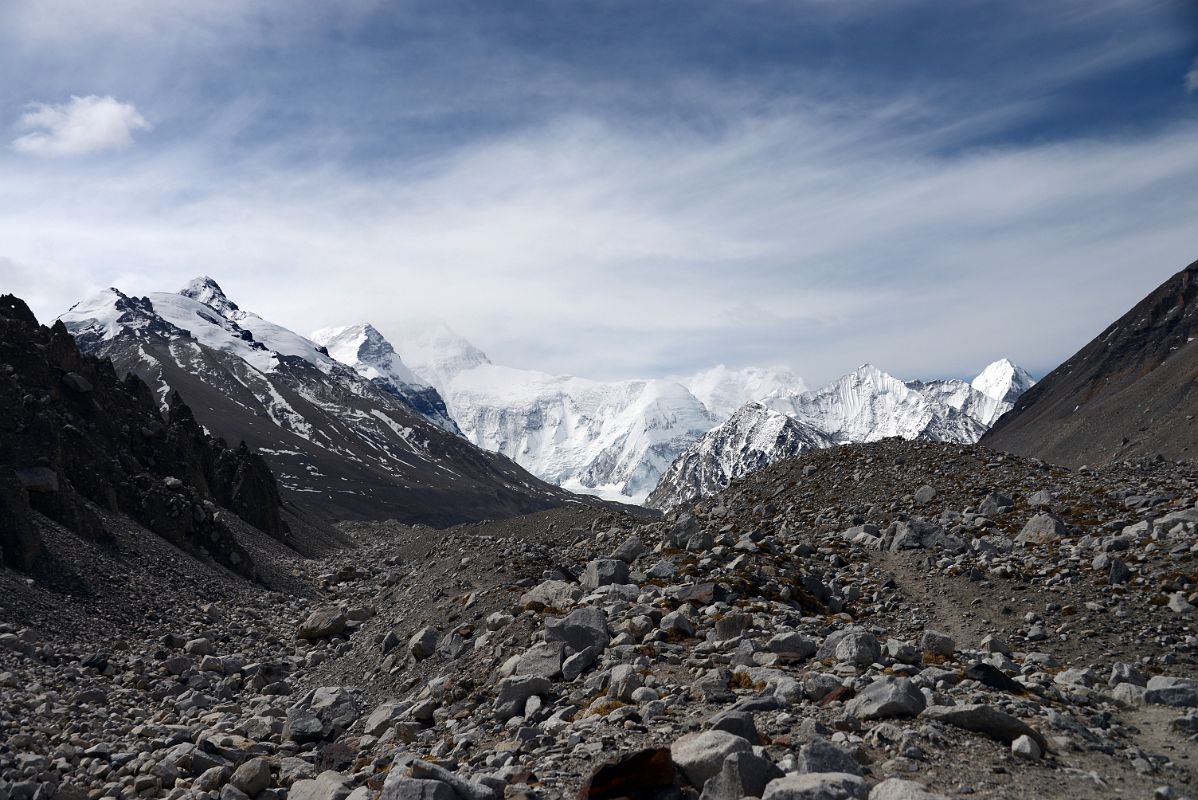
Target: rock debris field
887, 621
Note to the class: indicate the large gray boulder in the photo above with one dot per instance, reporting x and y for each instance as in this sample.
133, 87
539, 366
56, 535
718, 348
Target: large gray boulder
423, 643
580, 629
886, 698
1043, 528
700, 756
850, 646
560, 595
604, 572
514, 692
822, 756
328, 785
544, 659
899, 789
321, 715
322, 623
743, 774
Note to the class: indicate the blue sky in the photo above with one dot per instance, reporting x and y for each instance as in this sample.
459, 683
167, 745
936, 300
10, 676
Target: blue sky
615, 189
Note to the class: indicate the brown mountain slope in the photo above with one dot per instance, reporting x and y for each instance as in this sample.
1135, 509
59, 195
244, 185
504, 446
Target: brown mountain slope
1131, 392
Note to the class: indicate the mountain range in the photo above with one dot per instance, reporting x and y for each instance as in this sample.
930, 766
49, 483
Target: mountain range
866, 405
424, 427
347, 444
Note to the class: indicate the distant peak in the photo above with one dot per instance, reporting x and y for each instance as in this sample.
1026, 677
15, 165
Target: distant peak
207, 291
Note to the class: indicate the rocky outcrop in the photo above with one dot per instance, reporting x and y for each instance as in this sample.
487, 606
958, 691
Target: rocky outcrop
1132, 392
75, 437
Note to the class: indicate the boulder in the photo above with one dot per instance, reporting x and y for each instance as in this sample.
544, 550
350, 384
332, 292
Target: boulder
1043, 528
513, 694
328, 785
850, 646
604, 572
743, 774
384, 717
937, 643
321, 715
322, 623
985, 720
700, 756
252, 777
899, 789
559, 595
543, 658
817, 786
423, 643
886, 698
580, 629
820, 755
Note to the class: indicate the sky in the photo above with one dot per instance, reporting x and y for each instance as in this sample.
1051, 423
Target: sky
615, 189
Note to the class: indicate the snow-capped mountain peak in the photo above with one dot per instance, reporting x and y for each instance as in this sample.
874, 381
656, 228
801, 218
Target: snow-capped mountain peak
331, 436
752, 438
435, 352
1003, 381
363, 348
207, 291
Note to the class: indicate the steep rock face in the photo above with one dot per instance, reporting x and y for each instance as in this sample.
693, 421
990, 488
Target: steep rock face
364, 349
1131, 392
333, 438
753, 438
71, 431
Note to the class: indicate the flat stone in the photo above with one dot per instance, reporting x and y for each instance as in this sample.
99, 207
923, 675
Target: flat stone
985, 720
899, 789
822, 756
817, 786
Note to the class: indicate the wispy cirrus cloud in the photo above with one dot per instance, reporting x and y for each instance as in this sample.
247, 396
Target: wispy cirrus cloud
1191, 79
81, 126
592, 187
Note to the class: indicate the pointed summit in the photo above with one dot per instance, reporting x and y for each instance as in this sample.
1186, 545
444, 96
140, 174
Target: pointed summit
207, 291
364, 349
1003, 381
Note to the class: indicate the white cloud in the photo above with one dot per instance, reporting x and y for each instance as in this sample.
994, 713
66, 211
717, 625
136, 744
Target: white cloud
1192, 78
84, 125
631, 246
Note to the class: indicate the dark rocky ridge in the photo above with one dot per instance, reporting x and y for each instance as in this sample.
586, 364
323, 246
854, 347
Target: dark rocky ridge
1131, 392
73, 434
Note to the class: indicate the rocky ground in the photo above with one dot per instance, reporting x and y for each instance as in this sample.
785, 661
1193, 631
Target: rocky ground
897, 620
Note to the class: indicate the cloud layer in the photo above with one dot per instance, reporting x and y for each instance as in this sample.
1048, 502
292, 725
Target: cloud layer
619, 194
78, 127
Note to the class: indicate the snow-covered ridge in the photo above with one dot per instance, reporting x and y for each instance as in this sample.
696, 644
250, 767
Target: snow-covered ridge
752, 438
863, 406
613, 439
364, 349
